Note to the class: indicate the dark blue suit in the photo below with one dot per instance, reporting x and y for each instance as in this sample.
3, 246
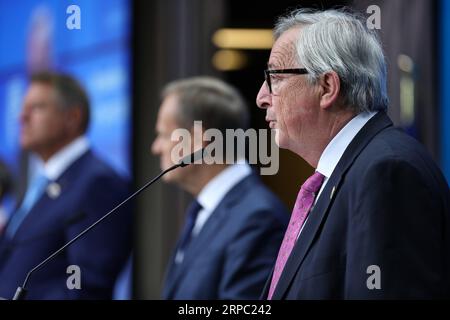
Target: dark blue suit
89, 189
386, 205
234, 252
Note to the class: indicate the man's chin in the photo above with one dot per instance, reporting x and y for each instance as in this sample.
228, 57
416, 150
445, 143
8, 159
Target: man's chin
25, 144
280, 141
277, 137
168, 177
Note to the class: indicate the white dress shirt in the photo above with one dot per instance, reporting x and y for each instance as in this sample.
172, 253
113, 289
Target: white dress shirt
337, 146
60, 161
213, 193
216, 189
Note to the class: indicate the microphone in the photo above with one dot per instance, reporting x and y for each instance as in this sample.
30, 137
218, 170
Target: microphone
190, 159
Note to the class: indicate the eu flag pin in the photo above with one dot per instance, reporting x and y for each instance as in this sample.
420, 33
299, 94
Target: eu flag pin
332, 192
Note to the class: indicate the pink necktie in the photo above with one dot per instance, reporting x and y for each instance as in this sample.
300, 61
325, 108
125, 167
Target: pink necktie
303, 204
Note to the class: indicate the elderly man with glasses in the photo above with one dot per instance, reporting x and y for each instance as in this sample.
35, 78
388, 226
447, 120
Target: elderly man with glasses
373, 221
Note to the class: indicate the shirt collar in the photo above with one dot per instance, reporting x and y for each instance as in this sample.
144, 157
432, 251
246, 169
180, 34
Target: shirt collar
216, 189
61, 160
337, 146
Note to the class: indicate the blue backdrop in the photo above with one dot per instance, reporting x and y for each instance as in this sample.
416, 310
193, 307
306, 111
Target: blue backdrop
34, 34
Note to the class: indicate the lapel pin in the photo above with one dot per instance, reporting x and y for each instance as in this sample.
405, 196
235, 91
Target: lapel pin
332, 192
54, 190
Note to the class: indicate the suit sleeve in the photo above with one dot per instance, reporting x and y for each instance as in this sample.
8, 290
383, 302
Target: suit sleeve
102, 252
395, 243
251, 256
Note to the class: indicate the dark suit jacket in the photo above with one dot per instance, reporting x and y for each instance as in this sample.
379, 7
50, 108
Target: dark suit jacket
89, 189
234, 252
386, 205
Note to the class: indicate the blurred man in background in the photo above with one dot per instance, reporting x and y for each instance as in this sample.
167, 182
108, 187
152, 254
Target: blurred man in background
70, 189
235, 224
373, 221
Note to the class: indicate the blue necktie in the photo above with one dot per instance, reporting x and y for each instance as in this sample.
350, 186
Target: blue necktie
34, 192
191, 217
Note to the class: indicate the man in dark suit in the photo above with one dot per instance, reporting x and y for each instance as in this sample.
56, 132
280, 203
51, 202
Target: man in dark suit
70, 189
373, 222
235, 224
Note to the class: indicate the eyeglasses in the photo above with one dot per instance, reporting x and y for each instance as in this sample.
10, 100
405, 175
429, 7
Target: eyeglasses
268, 72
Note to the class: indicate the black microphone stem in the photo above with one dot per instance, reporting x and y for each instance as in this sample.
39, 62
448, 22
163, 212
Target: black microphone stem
21, 291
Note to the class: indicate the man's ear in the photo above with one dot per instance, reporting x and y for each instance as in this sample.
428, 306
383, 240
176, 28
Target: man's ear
74, 119
197, 132
331, 87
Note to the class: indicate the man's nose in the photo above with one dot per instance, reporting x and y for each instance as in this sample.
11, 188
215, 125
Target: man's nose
264, 98
155, 147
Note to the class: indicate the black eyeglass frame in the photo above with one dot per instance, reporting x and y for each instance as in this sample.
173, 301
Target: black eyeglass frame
268, 72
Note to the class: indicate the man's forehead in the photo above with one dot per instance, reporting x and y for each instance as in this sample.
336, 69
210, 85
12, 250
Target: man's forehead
39, 92
282, 56
283, 51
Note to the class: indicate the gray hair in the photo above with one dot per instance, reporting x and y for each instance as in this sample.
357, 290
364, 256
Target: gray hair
212, 101
338, 40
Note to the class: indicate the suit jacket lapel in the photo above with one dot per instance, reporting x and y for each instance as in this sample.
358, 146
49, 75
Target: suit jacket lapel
39, 209
171, 274
318, 215
265, 291
196, 246
206, 236
44, 204
176, 271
